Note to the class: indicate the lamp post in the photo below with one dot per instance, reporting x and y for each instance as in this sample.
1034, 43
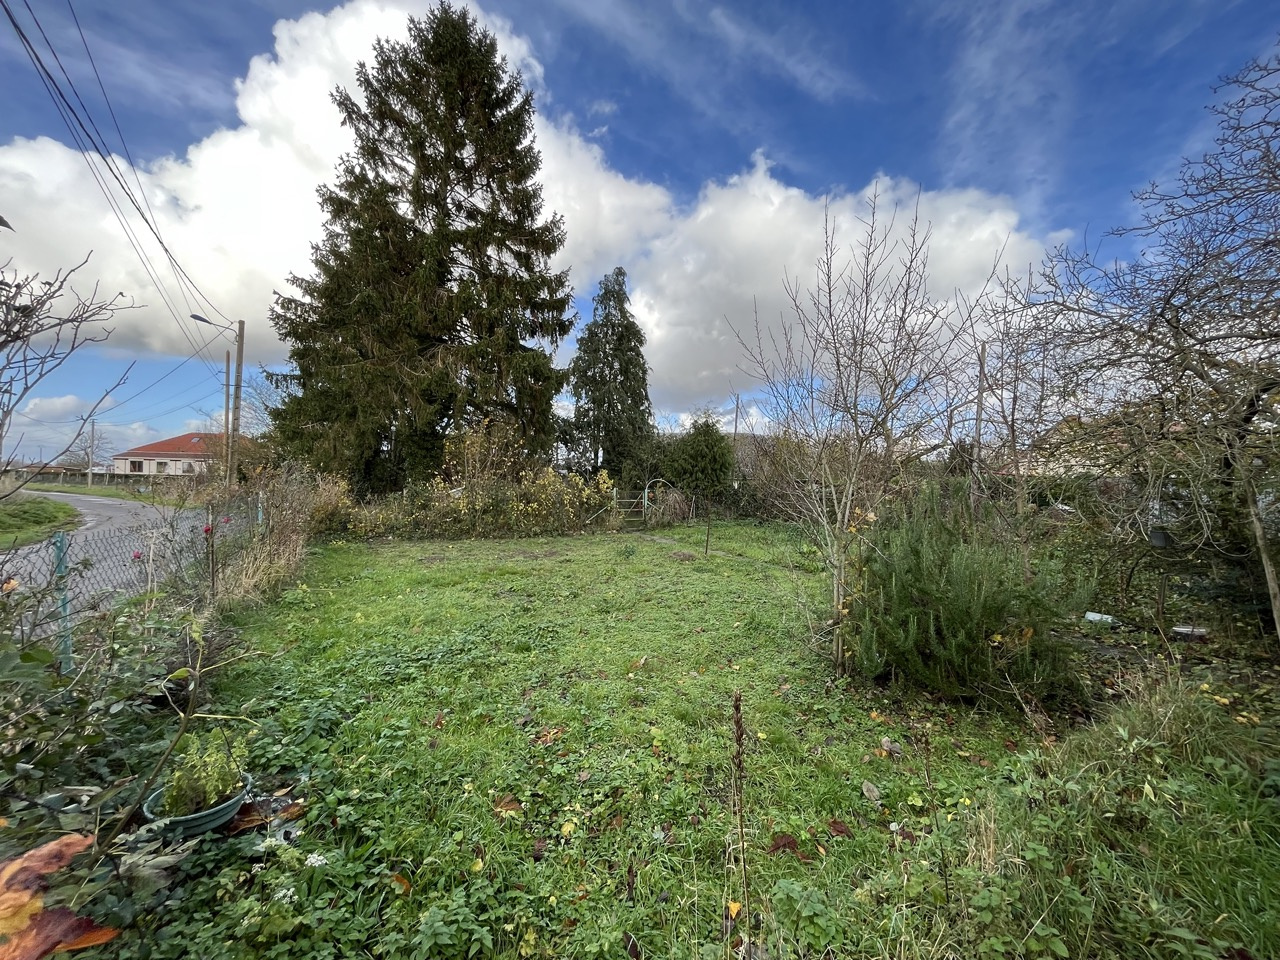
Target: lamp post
233, 432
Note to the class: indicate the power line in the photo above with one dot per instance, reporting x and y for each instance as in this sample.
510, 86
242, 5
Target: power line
68, 113
64, 107
98, 143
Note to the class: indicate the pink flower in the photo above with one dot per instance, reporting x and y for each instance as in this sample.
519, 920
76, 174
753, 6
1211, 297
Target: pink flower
226, 519
208, 529
137, 554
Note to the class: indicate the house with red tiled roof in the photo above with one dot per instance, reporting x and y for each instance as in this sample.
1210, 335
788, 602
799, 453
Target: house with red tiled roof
188, 455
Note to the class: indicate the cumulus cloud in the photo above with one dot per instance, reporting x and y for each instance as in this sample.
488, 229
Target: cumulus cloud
239, 211
46, 426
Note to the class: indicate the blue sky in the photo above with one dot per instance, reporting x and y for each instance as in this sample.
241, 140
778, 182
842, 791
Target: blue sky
690, 142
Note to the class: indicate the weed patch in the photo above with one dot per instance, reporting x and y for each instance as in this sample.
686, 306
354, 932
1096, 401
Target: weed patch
529, 749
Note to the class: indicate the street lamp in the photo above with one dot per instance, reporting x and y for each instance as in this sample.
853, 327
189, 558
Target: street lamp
232, 432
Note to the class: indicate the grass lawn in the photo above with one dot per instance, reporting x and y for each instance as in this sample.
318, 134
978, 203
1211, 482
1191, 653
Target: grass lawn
26, 519
523, 749
114, 491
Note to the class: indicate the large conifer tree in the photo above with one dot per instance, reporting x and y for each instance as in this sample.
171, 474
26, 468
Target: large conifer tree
431, 305
612, 413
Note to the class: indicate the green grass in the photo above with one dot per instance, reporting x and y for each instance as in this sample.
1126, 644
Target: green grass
26, 519
522, 748
114, 491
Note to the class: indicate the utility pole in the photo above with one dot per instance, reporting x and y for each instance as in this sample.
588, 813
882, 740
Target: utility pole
226, 420
93, 425
233, 431
235, 408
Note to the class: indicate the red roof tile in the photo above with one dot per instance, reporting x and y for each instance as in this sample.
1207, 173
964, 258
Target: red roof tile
189, 446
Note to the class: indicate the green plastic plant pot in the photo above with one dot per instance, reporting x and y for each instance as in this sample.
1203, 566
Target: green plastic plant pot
202, 821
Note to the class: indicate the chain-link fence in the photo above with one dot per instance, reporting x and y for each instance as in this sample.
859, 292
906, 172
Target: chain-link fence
74, 575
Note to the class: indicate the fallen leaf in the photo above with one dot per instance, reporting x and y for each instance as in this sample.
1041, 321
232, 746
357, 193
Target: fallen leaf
734, 907
783, 842
632, 945
548, 735
249, 821
293, 811
584, 776
871, 792
282, 792
507, 806
539, 849
439, 721
93, 938
839, 828
891, 746
405, 885
29, 930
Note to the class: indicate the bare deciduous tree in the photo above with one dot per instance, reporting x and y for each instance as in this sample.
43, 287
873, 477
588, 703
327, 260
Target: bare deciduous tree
1173, 358
42, 323
871, 378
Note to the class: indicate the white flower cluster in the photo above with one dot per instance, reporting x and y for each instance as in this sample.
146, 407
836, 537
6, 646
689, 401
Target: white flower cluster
316, 860
286, 895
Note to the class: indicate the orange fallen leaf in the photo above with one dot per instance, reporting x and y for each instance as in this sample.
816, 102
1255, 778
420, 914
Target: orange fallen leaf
93, 938
28, 930
405, 885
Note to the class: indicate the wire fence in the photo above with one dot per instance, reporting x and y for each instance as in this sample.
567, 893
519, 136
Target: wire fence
51, 586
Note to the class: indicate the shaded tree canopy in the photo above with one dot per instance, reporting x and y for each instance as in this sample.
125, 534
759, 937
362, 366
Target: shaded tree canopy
432, 306
612, 414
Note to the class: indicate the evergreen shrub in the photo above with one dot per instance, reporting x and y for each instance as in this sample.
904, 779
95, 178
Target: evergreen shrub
943, 605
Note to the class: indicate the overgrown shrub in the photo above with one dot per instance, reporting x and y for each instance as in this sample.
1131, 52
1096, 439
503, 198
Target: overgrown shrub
286, 507
539, 502
942, 605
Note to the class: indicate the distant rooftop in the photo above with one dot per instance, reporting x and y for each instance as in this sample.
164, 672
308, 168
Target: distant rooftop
191, 446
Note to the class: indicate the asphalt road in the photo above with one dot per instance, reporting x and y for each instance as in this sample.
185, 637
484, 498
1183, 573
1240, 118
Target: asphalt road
101, 513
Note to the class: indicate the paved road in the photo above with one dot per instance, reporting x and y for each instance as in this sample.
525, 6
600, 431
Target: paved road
100, 513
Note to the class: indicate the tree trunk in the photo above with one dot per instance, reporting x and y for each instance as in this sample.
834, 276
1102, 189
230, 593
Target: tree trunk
1260, 540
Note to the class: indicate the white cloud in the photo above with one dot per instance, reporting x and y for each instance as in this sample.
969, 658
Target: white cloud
45, 426
239, 210
68, 407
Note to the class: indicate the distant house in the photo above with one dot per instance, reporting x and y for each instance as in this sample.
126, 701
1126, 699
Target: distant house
46, 472
188, 455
